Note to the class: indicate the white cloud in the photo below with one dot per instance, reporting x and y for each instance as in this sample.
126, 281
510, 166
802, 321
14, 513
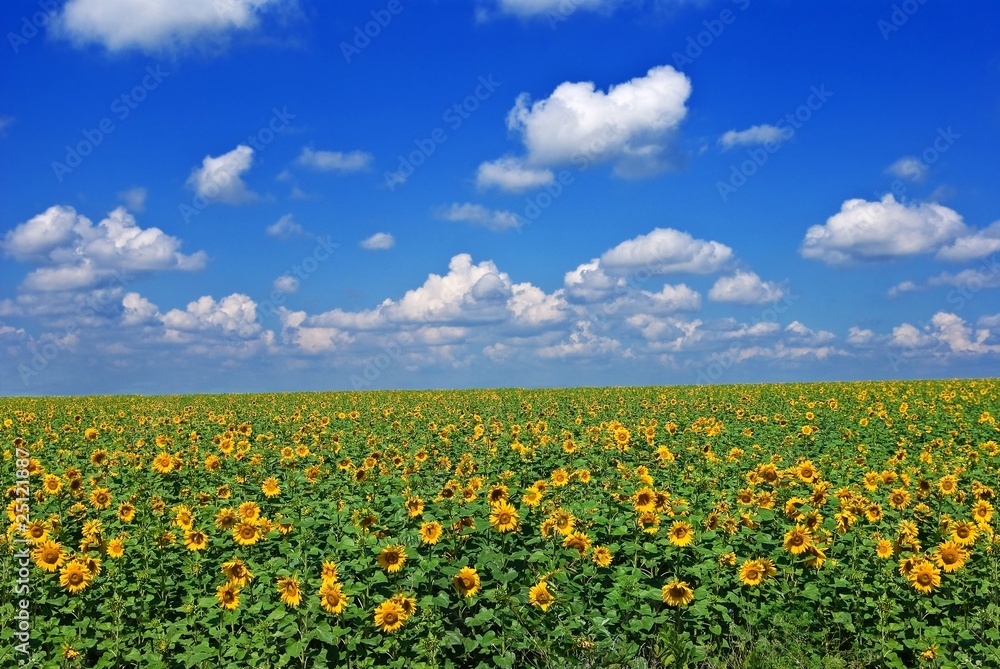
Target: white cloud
757, 134
589, 283
978, 244
805, 335
235, 314
286, 284
970, 281
138, 310
903, 287
666, 251
155, 25
72, 253
745, 288
134, 199
512, 175
220, 179
285, 228
582, 343
335, 161
477, 214
910, 168
535, 7
947, 332
859, 336
380, 241
869, 231
630, 125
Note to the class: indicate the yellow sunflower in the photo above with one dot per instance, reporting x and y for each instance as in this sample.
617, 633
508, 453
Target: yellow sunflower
228, 595
681, 533
601, 556
237, 572
246, 534
291, 593
49, 556
270, 487
430, 532
540, 596
503, 517
74, 576
677, 593
752, 572
392, 558
389, 616
116, 548
797, 540
466, 581
195, 540
924, 577
332, 598
950, 556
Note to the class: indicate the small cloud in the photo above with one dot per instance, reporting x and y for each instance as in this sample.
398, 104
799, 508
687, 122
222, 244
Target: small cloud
380, 241
134, 198
285, 228
910, 168
477, 214
220, 179
758, 134
904, 287
284, 175
335, 161
745, 288
511, 174
286, 284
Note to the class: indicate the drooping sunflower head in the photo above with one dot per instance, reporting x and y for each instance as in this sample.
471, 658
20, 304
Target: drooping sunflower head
430, 532
467, 581
237, 572
195, 540
228, 595
601, 556
578, 541
288, 588
677, 594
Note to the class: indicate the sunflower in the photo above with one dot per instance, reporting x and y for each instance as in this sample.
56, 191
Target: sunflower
532, 497
49, 556
330, 572
677, 593
884, 549
578, 541
752, 572
74, 576
540, 596
195, 540
408, 604
228, 595
116, 548
727, 559
291, 593
601, 556
466, 581
392, 558
950, 556
503, 517
982, 511
644, 500
332, 598
873, 512
430, 532
183, 518
389, 616
100, 498
52, 484
163, 463
414, 506
249, 511
37, 531
498, 493
964, 533
237, 572
948, 485
246, 534
226, 519
681, 533
925, 577
797, 540
899, 499
560, 477
270, 487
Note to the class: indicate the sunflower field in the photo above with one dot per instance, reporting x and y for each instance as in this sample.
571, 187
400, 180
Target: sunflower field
833, 524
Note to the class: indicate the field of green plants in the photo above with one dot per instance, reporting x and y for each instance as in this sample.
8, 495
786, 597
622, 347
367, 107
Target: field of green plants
801, 525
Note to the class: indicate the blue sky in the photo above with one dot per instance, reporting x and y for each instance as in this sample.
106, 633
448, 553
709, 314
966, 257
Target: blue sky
252, 195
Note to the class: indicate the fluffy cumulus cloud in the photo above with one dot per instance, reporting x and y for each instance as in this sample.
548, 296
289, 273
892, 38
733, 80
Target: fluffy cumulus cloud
945, 334
235, 314
977, 244
512, 175
757, 134
629, 125
477, 214
71, 253
667, 251
220, 179
380, 241
910, 168
335, 161
745, 288
286, 284
156, 25
871, 231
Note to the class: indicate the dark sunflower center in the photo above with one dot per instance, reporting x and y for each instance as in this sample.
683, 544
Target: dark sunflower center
76, 578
